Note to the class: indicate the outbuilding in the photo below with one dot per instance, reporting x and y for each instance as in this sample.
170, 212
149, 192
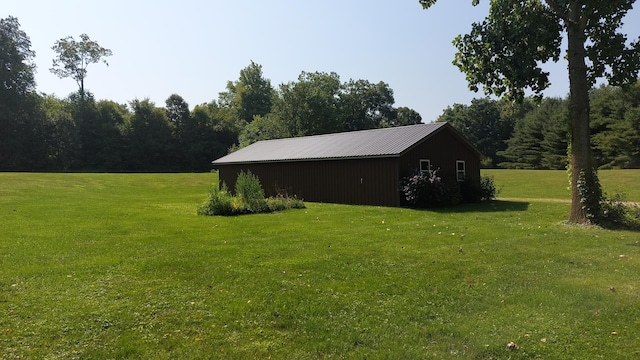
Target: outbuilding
359, 167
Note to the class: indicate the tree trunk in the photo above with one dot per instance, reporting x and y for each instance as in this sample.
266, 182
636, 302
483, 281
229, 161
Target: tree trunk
583, 174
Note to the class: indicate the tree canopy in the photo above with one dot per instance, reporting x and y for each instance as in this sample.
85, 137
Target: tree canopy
40, 132
73, 58
19, 130
503, 54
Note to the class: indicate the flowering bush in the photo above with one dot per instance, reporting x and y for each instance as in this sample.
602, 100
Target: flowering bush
426, 189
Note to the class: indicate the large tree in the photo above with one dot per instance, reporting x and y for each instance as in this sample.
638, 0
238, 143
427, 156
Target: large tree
310, 106
615, 125
148, 138
19, 127
504, 53
73, 57
539, 140
365, 105
251, 95
483, 124
406, 116
63, 136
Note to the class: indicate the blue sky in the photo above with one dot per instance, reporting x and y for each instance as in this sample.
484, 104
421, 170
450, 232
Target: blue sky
193, 47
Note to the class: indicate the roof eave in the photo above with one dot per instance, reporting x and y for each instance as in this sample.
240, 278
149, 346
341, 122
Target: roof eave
307, 159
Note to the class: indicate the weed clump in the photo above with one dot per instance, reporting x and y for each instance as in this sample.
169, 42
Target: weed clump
249, 199
250, 193
219, 202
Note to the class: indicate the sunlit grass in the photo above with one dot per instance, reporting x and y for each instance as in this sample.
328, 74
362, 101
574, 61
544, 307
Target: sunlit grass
554, 184
120, 266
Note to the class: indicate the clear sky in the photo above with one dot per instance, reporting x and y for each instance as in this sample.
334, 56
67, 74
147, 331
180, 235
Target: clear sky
193, 47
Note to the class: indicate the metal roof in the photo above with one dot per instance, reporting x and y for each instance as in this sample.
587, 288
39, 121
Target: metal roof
387, 142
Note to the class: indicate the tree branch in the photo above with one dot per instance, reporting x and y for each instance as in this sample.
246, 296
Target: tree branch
557, 10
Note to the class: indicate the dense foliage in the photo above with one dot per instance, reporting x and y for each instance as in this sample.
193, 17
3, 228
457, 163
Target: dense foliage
535, 135
425, 189
40, 132
249, 199
504, 53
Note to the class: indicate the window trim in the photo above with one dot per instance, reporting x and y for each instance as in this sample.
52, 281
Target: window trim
461, 174
428, 162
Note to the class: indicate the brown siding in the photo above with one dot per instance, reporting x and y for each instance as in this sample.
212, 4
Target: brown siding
365, 181
349, 181
443, 149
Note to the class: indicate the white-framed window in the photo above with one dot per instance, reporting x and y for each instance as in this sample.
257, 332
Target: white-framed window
425, 166
461, 172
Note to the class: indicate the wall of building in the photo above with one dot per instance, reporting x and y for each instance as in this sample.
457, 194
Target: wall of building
364, 181
443, 148
351, 181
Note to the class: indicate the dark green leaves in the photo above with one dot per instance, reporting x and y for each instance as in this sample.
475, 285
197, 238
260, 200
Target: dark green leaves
16, 67
609, 51
504, 53
428, 3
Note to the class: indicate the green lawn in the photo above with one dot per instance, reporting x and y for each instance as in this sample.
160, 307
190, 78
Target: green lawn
554, 184
119, 266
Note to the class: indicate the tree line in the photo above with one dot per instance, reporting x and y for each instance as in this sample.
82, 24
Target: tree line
535, 134
40, 132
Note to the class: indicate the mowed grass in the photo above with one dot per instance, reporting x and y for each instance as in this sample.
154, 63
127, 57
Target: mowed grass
119, 266
554, 184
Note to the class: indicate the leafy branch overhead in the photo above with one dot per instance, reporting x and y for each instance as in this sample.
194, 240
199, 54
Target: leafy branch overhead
504, 52
73, 58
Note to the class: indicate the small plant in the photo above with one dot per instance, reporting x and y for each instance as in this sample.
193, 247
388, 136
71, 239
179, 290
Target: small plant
282, 202
249, 191
249, 200
488, 189
219, 202
616, 213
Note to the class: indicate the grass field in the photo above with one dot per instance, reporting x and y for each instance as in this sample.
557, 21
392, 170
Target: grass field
553, 184
119, 266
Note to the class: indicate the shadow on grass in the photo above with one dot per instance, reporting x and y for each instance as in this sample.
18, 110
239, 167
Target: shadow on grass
487, 207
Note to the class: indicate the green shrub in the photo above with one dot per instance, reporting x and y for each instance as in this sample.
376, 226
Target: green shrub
488, 189
483, 190
219, 202
616, 213
249, 200
427, 189
249, 191
281, 202
471, 191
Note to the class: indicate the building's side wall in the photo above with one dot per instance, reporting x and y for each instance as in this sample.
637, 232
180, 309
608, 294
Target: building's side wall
350, 181
443, 149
